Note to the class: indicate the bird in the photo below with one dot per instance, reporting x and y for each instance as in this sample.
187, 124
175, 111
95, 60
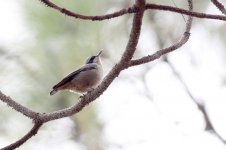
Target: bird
84, 79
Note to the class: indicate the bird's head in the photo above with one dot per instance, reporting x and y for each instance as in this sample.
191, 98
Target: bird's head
94, 59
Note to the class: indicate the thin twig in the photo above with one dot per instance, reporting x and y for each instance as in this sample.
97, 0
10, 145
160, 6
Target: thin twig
201, 106
40, 119
177, 7
131, 10
22, 140
220, 6
84, 17
186, 12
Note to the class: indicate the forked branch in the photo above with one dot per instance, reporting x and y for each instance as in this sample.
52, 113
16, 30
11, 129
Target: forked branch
169, 49
39, 119
125, 62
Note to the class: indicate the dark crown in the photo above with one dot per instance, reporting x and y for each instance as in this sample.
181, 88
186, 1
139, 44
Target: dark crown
90, 59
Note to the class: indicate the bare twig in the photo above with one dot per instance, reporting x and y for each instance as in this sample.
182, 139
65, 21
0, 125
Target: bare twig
21, 141
186, 12
131, 10
161, 52
164, 51
201, 106
176, 6
93, 18
219, 6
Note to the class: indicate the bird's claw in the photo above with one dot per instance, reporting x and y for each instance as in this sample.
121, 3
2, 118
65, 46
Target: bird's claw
81, 96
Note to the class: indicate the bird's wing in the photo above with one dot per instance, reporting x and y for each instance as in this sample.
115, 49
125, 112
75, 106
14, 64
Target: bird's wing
73, 74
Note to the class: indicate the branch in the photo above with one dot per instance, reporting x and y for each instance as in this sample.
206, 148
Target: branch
164, 51
93, 18
186, 12
18, 107
219, 6
40, 119
21, 141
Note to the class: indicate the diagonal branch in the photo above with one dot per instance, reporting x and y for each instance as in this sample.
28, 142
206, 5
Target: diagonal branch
135, 32
173, 47
201, 106
21, 141
219, 6
138, 9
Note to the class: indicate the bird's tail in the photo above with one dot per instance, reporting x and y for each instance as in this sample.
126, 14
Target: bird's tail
53, 92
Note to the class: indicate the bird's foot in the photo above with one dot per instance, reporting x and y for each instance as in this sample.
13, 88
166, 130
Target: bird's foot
89, 91
81, 96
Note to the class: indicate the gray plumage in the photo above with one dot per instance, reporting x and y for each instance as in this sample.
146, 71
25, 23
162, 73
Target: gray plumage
83, 79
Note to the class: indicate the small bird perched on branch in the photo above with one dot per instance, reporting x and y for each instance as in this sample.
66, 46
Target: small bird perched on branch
84, 79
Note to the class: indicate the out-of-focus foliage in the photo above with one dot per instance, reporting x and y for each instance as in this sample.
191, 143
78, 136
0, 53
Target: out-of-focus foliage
59, 44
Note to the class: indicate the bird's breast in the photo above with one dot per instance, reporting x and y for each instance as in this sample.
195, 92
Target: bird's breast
87, 80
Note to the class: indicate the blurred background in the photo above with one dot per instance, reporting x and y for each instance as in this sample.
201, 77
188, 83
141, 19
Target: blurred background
176, 102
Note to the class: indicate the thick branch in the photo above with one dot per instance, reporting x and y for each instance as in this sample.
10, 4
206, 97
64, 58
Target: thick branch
219, 6
18, 107
164, 51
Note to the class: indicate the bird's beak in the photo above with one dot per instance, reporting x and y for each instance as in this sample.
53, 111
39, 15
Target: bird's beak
99, 53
